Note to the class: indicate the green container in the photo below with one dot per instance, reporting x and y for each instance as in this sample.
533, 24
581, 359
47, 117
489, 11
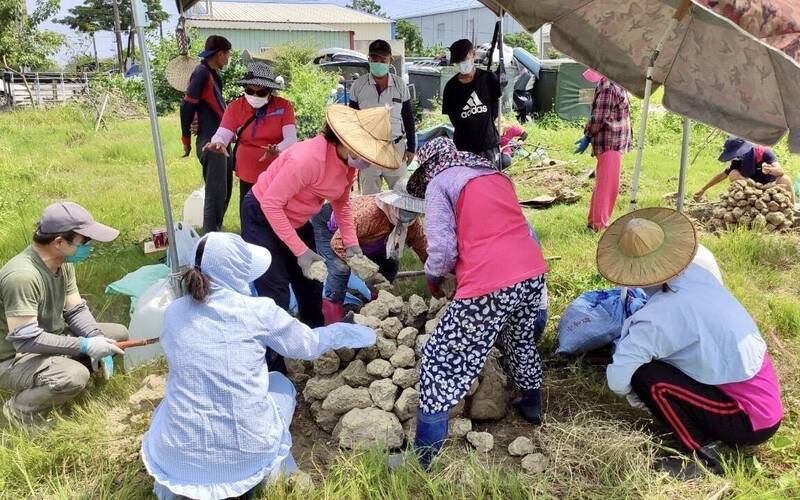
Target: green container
561, 88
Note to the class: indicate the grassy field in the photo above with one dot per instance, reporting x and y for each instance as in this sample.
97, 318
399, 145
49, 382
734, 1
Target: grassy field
598, 447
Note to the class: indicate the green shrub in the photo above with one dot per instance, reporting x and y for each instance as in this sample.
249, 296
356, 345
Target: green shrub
285, 58
309, 92
784, 316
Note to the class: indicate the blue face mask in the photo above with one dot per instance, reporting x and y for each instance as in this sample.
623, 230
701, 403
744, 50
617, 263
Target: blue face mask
82, 252
378, 69
407, 216
357, 163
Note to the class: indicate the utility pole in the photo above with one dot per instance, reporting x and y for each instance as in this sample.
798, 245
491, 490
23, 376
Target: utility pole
118, 35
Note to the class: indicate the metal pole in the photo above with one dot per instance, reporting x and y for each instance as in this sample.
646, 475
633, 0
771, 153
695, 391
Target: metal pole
140, 22
501, 62
687, 130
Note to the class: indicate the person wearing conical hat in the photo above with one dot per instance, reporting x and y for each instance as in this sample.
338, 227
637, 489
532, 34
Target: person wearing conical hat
385, 223
262, 123
692, 355
276, 213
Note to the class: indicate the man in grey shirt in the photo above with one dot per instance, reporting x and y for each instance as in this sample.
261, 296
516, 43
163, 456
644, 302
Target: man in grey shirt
381, 88
47, 333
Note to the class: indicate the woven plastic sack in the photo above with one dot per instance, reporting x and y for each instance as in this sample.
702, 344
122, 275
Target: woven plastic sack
595, 318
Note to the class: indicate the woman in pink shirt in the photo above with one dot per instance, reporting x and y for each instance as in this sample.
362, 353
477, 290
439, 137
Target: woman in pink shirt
475, 229
276, 213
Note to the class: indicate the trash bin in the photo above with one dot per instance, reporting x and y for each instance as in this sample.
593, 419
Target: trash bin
561, 88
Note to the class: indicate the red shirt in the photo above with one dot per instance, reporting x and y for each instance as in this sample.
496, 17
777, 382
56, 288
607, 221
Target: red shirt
263, 131
495, 246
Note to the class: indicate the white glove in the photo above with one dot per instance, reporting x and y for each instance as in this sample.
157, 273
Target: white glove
97, 347
635, 402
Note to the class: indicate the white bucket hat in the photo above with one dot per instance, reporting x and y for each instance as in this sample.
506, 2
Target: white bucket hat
399, 197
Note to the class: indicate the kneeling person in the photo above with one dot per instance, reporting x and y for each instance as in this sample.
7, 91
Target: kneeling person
48, 330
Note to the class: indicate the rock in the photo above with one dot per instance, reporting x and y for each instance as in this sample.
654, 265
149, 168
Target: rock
150, 393
325, 419
460, 427
406, 405
773, 206
405, 378
346, 354
459, 409
295, 366
391, 327
300, 480
759, 221
403, 358
369, 321
363, 267
370, 428
420, 343
327, 364
729, 218
430, 326
387, 347
356, 374
417, 308
760, 205
771, 227
776, 219
481, 441
410, 428
383, 393
377, 309
520, 447
380, 368
491, 400
738, 195
737, 212
393, 302
320, 386
345, 398
318, 271
535, 463
473, 388
368, 354
407, 336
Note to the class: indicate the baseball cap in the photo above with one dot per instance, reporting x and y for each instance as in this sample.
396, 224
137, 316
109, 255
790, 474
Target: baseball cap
68, 216
214, 44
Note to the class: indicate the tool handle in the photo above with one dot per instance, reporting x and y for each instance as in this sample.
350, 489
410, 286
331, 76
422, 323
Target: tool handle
127, 344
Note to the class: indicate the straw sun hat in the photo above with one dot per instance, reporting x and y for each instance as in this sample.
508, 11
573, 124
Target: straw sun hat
646, 247
179, 70
368, 132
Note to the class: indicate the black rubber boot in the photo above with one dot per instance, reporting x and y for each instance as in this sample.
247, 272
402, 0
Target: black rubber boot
530, 406
706, 459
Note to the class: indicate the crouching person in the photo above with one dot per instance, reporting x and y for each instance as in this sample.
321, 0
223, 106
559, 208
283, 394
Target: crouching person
384, 223
47, 332
223, 425
692, 355
476, 229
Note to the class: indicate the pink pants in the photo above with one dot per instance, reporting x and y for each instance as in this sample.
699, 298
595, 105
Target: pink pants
606, 189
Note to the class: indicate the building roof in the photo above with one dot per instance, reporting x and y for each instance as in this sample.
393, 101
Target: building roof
284, 13
445, 7
256, 25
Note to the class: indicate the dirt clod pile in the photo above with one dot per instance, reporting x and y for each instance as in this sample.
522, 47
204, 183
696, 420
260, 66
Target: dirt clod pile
753, 205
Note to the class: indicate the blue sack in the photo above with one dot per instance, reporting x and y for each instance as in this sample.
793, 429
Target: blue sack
595, 319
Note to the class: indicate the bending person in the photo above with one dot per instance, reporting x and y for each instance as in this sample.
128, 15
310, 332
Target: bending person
223, 425
693, 356
499, 271
261, 122
385, 224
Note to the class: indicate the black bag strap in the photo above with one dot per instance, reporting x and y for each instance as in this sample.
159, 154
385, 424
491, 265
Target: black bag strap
239, 134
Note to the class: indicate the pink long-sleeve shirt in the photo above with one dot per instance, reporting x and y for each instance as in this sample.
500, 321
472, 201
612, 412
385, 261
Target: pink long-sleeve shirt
294, 187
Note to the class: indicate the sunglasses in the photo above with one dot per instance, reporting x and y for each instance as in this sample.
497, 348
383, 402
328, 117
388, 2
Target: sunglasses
257, 93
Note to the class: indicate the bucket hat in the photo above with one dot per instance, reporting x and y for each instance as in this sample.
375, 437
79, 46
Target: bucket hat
368, 132
592, 76
230, 261
734, 147
259, 73
646, 247
399, 197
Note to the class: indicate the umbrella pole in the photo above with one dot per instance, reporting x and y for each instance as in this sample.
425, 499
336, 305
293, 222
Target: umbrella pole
681, 11
687, 129
140, 21
502, 15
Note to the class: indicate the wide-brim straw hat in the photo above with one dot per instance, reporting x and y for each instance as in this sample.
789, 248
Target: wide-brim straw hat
179, 70
261, 74
399, 197
647, 247
368, 132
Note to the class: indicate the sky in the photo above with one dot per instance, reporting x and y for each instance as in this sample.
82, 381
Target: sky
78, 44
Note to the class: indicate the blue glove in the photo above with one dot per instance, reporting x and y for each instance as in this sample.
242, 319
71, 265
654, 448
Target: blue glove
582, 143
339, 335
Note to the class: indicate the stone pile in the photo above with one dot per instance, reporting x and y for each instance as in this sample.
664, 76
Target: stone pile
753, 205
368, 397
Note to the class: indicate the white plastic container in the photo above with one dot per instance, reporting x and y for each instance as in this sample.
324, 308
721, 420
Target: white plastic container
148, 316
193, 207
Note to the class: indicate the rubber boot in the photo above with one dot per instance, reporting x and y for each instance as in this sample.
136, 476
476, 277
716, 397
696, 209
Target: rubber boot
706, 459
530, 406
332, 312
431, 434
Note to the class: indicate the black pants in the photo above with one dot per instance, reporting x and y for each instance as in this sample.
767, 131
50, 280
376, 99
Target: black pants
244, 188
697, 413
284, 270
218, 176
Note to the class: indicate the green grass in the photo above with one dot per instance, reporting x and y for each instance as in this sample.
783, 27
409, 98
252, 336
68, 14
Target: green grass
598, 447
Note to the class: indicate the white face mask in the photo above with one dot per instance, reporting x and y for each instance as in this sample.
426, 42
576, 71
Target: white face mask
256, 102
466, 67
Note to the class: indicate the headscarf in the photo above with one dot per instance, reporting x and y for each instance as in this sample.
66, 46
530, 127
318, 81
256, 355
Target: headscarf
437, 156
396, 242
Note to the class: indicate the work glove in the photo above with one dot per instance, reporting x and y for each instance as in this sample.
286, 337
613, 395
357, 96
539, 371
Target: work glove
435, 286
305, 262
353, 251
582, 144
98, 347
635, 402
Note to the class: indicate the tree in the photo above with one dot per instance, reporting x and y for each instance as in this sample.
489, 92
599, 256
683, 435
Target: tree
523, 40
368, 6
413, 38
22, 44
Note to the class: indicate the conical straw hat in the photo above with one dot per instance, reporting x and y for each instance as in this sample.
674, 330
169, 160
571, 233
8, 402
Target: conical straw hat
368, 132
646, 247
179, 70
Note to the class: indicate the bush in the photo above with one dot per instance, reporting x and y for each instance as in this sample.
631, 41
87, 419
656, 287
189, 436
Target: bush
286, 58
522, 40
309, 93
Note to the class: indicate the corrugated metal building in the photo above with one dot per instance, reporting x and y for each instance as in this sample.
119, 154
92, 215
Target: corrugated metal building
449, 21
259, 26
